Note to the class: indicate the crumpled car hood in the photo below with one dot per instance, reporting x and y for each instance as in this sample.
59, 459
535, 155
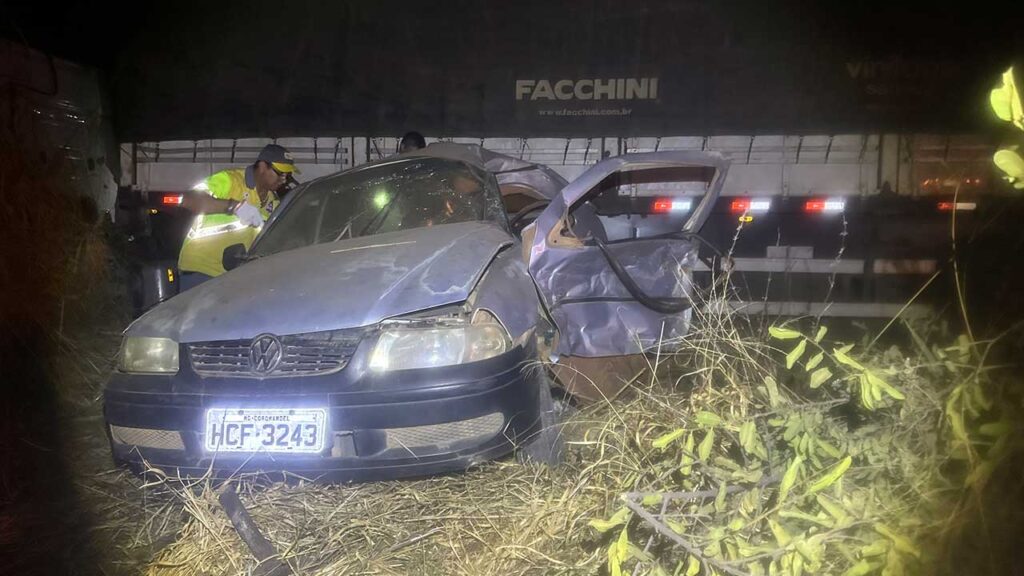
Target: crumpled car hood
332, 286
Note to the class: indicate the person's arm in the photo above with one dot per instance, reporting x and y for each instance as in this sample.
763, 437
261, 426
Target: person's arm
203, 203
215, 198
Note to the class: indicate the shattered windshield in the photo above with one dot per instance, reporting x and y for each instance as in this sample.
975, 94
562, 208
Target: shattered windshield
407, 194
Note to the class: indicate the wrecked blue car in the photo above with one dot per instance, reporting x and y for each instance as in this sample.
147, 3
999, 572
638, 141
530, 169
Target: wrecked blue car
405, 317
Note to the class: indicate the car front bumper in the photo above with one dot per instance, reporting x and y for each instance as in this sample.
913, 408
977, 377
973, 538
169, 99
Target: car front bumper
410, 423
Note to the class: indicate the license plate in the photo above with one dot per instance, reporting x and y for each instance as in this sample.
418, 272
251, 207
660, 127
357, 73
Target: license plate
290, 430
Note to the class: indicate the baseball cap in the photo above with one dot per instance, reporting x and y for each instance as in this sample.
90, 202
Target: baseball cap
279, 157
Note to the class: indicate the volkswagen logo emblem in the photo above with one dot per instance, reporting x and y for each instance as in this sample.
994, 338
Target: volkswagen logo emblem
264, 354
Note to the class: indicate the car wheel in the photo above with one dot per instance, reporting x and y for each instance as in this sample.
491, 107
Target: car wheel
547, 446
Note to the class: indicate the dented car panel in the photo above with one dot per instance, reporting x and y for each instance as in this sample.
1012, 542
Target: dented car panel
595, 313
332, 286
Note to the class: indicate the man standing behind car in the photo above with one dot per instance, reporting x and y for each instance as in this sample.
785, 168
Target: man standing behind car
231, 207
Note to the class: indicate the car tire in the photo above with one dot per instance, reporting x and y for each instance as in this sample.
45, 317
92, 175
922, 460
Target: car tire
547, 446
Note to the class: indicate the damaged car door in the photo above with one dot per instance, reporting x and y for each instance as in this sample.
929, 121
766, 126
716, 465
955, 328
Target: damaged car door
614, 297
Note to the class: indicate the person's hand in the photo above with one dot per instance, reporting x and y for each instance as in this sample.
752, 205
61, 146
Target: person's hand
249, 215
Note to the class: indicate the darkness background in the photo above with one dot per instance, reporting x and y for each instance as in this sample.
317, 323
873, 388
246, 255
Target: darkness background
448, 68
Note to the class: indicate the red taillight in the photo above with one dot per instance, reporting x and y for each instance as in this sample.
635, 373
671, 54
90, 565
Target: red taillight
820, 206
173, 199
814, 206
662, 206
950, 206
741, 205
666, 205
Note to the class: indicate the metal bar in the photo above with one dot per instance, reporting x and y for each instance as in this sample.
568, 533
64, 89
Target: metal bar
566, 153
792, 265
262, 549
799, 146
827, 309
750, 148
828, 149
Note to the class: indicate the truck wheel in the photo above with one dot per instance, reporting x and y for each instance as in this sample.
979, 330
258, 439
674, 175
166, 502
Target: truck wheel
547, 446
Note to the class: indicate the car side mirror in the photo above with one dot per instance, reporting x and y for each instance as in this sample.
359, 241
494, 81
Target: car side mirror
233, 257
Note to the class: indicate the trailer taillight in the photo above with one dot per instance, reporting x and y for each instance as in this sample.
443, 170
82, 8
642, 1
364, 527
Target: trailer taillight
950, 206
667, 205
748, 205
172, 199
824, 206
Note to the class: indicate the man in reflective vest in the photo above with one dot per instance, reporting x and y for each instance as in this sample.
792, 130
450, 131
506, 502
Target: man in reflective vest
232, 206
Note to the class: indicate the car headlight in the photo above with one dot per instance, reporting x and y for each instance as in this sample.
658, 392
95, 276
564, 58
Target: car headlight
442, 343
144, 355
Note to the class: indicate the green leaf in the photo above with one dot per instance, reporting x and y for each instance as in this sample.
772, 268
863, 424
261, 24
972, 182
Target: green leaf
783, 333
833, 508
814, 361
664, 440
789, 478
781, 536
1006, 102
720, 498
635, 552
820, 376
884, 386
797, 515
704, 450
747, 432
846, 349
1010, 163
893, 565
860, 568
622, 544
652, 500
686, 463
737, 524
865, 393
831, 476
617, 519
795, 354
829, 449
842, 358
876, 548
773, 391
822, 330
902, 543
692, 566
995, 429
614, 562
708, 419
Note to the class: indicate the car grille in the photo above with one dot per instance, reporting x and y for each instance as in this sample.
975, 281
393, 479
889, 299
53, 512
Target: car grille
301, 355
147, 438
445, 435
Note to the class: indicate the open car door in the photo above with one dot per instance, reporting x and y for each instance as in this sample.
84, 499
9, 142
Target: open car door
613, 296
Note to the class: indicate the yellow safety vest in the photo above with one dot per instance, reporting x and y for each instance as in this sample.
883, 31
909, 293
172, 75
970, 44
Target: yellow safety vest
210, 234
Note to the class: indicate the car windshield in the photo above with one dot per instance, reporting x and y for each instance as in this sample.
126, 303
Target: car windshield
412, 193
